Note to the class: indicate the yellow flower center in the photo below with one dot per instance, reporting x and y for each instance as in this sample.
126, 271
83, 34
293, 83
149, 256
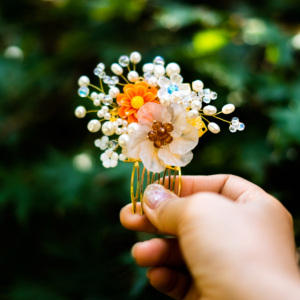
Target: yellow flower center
137, 102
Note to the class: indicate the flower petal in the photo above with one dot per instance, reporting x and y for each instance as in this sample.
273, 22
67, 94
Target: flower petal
176, 79
120, 97
173, 159
148, 97
130, 92
150, 158
121, 112
149, 112
178, 119
164, 82
140, 90
184, 88
142, 83
162, 92
132, 119
186, 142
135, 141
125, 102
129, 111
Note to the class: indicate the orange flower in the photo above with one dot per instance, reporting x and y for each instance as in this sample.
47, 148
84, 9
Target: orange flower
134, 96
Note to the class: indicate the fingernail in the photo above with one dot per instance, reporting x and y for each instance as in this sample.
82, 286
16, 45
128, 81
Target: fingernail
155, 194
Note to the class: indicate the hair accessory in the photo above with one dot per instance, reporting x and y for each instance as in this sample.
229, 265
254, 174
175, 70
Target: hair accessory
150, 118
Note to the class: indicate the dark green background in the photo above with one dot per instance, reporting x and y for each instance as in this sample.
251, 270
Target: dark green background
60, 232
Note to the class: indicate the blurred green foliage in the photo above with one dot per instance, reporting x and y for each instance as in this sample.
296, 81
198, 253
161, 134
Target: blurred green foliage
60, 234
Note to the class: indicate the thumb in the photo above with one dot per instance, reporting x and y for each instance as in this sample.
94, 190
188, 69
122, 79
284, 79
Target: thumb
163, 208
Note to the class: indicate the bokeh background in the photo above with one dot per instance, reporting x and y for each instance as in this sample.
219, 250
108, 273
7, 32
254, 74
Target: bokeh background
59, 224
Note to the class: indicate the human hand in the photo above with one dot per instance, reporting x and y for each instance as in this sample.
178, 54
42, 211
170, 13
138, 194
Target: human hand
233, 241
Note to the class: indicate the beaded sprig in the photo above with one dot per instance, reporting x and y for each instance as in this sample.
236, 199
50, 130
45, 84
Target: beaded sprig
153, 118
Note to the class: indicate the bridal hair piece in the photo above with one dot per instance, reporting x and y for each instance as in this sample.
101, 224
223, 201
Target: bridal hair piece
149, 118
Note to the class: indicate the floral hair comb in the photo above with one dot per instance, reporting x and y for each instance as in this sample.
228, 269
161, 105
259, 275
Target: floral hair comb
152, 119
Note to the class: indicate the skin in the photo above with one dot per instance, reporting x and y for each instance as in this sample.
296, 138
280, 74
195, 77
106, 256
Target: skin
228, 239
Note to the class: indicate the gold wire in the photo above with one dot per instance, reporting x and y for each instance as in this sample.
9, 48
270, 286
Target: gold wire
97, 88
101, 85
222, 119
135, 196
215, 116
124, 78
90, 111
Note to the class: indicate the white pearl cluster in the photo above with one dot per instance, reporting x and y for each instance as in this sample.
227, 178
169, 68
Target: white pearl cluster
155, 70
109, 159
170, 89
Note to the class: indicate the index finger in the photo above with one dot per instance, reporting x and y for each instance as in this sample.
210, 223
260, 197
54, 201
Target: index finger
230, 186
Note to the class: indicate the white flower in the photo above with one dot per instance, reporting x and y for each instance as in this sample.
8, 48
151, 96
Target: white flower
109, 159
157, 148
173, 86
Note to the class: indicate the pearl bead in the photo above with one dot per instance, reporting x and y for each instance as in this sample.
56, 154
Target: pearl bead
119, 131
114, 156
117, 69
135, 57
213, 127
172, 68
165, 100
105, 139
104, 109
197, 85
94, 125
209, 110
83, 81
115, 124
152, 81
94, 95
123, 140
80, 112
132, 127
122, 157
106, 163
113, 163
159, 71
109, 152
97, 102
228, 109
100, 113
114, 92
133, 76
104, 156
107, 116
148, 68
119, 121
108, 128
196, 104
192, 114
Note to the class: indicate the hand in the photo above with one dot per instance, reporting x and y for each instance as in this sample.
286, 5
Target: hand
232, 241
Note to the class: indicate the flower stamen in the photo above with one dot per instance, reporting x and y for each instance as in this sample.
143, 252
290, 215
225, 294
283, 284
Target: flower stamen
137, 102
160, 134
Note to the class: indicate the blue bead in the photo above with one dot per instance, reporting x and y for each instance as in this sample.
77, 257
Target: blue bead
83, 91
172, 88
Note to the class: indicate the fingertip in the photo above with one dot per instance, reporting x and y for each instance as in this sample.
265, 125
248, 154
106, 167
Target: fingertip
136, 221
